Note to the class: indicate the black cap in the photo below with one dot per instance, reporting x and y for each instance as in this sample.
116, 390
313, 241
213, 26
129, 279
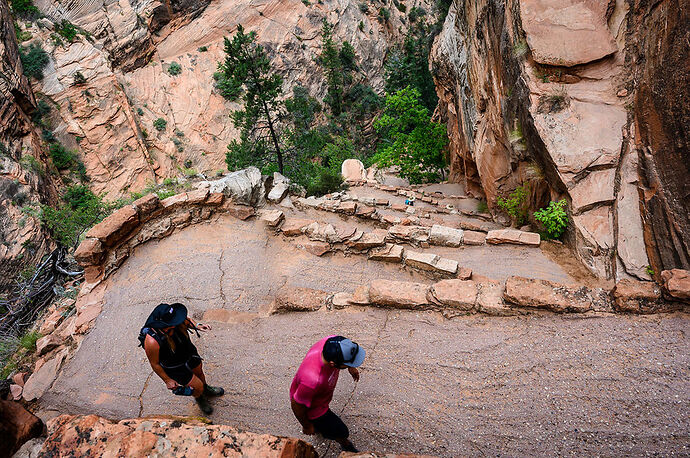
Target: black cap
167, 315
341, 350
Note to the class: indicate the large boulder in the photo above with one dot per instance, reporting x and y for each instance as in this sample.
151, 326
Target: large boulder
677, 283
533, 293
566, 32
353, 170
167, 436
635, 296
459, 294
116, 226
244, 186
513, 236
445, 236
17, 425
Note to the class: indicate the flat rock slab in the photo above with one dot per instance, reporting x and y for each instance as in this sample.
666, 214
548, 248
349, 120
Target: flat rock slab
43, 378
409, 233
473, 238
445, 236
528, 292
490, 300
566, 32
397, 294
431, 262
458, 294
294, 226
388, 253
635, 296
368, 240
513, 236
295, 299
271, 217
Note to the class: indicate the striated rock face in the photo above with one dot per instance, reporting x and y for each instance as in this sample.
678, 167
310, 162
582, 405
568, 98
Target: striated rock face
536, 92
96, 436
23, 180
128, 87
658, 54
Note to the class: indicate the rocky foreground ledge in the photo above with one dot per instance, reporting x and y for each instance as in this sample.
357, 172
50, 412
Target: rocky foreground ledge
90, 435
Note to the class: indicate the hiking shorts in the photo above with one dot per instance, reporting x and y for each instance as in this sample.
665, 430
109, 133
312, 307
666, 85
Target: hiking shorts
183, 374
330, 426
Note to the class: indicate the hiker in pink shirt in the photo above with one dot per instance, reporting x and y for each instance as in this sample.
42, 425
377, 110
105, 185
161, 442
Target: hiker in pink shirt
312, 388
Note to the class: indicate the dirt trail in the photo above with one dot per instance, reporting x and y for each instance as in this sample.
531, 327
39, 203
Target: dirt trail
475, 385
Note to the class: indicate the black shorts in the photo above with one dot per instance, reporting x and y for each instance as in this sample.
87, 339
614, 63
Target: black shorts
183, 374
330, 426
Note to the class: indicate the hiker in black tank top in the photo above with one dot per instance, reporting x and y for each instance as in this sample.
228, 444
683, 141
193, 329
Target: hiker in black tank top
173, 356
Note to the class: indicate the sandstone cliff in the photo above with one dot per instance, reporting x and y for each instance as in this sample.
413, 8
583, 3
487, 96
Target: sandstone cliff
541, 91
23, 178
125, 56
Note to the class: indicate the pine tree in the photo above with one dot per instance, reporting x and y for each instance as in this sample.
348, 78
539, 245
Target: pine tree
333, 68
247, 74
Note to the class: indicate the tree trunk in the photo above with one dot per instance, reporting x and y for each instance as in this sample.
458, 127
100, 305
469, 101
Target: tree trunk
274, 137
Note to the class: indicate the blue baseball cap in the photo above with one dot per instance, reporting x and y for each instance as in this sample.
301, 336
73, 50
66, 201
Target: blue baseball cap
341, 350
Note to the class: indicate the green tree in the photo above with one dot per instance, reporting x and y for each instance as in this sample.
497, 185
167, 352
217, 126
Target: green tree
247, 73
409, 65
80, 210
410, 139
332, 64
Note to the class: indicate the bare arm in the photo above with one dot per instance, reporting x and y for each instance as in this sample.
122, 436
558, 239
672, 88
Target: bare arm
151, 347
300, 411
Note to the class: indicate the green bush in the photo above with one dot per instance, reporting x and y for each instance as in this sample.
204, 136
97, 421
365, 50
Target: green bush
326, 181
554, 218
203, 49
62, 157
160, 124
24, 8
22, 35
31, 163
174, 68
67, 30
515, 205
28, 340
79, 78
384, 14
410, 139
34, 59
81, 210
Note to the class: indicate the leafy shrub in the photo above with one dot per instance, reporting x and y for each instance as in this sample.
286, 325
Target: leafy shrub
79, 78
22, 35
62, 157
554, 218
34, 59
160, 124
364, 8
174, 69
515, 205
384, 14
140, 112
31, 163
360, 26
400, 6
203, 49
325, 182
24, 8
28, 340
81, 210
482, 207
410, 139
415, 13
67, 30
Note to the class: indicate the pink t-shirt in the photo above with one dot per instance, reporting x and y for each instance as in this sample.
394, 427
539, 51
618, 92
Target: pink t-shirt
314, 382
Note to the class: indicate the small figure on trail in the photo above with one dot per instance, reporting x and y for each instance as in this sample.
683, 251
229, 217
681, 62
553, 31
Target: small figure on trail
173, 356
312, 388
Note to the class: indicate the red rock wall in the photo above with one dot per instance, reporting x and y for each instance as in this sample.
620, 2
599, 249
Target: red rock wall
659, 54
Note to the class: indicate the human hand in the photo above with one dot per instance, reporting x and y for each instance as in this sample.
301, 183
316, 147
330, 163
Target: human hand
203, 327
171, 384
354, 373
309, 429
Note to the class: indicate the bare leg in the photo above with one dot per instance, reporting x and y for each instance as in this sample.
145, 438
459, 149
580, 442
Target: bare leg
199, 372
197, 385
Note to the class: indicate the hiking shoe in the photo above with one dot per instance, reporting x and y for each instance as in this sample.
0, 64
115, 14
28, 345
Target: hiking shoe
213, 390
349, 447
204, 405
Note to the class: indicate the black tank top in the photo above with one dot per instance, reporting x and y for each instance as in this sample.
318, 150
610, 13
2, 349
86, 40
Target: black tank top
184, 348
